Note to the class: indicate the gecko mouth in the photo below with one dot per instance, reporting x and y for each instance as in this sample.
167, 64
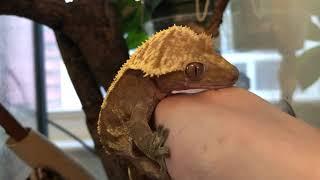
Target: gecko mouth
192, 90
188, 91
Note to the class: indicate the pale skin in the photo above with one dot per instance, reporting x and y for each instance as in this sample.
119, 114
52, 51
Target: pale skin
231, 134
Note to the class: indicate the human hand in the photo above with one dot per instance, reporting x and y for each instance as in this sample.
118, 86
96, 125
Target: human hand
233, 134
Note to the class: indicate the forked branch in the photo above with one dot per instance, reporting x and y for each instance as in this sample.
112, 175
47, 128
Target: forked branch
219, 8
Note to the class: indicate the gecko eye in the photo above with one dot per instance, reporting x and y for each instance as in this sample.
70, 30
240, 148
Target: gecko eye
194, 71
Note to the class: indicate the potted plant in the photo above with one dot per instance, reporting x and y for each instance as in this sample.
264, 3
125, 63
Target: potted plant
141, 18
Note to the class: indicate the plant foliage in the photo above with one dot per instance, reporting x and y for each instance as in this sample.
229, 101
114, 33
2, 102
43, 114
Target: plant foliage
133, 16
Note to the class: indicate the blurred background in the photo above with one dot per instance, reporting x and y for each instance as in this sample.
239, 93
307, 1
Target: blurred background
275, 44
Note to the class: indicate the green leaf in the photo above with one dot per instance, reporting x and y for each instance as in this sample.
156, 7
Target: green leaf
132, 22
121, 4
133, 15
135, 38
308, 67
128, 11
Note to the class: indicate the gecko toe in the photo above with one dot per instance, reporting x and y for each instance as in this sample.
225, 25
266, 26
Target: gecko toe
163, 134
162, 152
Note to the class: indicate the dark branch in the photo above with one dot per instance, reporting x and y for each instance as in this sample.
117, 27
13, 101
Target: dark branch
91, 24
92, 48
99, 27
90, 96
220, 6
82, 79
48, 12
12, 127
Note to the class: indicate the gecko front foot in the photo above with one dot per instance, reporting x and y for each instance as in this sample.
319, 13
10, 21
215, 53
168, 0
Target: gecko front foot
163, 169
162, 152
160, 137
151, 143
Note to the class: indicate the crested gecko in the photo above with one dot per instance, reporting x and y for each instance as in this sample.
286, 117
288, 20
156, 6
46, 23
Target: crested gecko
171, 60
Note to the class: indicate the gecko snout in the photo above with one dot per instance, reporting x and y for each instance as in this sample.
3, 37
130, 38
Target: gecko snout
234, 75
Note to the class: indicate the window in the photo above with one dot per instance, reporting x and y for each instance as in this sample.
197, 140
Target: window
64, 107
17, 86
254, 34
61, 95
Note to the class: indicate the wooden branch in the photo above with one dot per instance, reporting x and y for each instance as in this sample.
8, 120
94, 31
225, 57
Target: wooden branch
12, 127
90, 96
220, 6
80, 74
91, 24
92, 48
98, 36
48, 12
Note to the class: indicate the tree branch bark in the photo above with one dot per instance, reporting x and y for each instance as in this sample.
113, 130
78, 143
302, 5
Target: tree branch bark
48, 12
220, 6
12, 127
92, 48
91, 24
90, 98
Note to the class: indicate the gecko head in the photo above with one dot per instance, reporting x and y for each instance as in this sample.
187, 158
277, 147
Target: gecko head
180, 59
212, 72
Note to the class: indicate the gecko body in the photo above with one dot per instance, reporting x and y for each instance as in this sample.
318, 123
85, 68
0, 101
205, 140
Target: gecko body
172, 60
